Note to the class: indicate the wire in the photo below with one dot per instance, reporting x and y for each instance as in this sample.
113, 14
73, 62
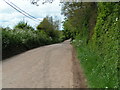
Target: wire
21, 11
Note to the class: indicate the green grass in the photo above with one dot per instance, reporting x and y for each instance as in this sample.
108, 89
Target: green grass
99, 70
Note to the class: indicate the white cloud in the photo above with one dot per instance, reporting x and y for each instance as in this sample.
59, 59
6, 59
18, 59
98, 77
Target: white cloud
10, 17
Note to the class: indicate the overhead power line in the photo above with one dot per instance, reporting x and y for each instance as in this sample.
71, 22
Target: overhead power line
21, 11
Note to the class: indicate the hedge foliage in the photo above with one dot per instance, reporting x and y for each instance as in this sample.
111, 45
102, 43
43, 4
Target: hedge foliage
97, 45
23, 37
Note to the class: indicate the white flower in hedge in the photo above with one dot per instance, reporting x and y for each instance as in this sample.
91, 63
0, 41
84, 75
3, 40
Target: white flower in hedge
116, 19
23, 41
50, 38
74, 40
106, 87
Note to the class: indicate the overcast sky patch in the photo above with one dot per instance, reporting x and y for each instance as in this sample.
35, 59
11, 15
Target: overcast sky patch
10, 17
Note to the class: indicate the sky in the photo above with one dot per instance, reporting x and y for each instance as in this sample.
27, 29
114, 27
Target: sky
9, 17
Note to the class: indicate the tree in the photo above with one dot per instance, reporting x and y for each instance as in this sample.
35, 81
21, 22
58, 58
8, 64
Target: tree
23, 25
46, 24
50, 27
78, 17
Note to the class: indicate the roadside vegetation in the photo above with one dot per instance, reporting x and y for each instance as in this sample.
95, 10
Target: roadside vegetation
23, 37
94, 30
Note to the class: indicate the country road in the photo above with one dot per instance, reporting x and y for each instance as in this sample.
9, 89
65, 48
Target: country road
52, 66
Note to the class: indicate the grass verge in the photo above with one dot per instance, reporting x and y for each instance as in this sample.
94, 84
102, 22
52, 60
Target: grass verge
100, 71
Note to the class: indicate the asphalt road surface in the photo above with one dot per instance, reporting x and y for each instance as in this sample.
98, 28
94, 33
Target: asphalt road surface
52, 66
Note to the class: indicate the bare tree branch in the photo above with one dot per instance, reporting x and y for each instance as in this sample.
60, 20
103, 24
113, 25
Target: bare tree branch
35, 2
